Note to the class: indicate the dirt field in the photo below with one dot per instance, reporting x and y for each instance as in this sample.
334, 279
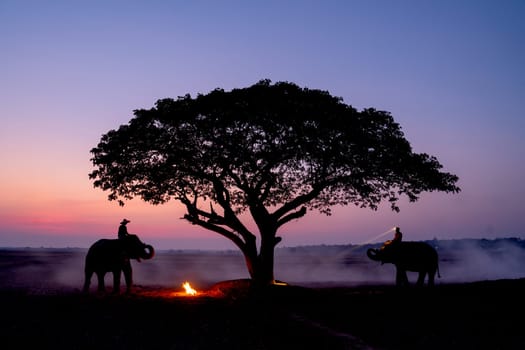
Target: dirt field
474, 315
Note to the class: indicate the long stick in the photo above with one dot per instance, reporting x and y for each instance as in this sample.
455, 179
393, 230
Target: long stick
379, 236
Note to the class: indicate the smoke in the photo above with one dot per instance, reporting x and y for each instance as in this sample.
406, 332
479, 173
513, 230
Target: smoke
477, 260
40, 270
55, 270
201, 268
329, 265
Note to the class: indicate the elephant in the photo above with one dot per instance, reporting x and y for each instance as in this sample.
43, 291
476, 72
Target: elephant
113, 255
414, 256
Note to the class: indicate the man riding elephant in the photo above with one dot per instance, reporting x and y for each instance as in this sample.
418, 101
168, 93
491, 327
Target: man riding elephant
419, 257
113, 255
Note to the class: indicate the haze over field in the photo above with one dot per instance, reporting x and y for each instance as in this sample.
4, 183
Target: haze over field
451, 73
45, 270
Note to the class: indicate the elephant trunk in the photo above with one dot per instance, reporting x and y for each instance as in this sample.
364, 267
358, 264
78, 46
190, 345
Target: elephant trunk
373, 254
148, 253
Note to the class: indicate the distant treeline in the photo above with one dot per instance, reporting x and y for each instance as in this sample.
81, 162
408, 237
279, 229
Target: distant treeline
448, 245
444, 245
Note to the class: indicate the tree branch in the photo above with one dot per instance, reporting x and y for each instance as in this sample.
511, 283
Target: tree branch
230, 219
219, 229
296, 202
292, 216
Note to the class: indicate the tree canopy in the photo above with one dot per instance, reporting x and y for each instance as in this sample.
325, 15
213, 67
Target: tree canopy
272, 150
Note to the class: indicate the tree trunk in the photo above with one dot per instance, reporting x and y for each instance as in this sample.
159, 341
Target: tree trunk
260, 265
264, 274
264, 262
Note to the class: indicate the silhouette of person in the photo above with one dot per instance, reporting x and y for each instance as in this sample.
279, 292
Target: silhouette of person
398, 236
123, 229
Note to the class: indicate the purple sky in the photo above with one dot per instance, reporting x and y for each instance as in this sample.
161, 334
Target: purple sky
452, 73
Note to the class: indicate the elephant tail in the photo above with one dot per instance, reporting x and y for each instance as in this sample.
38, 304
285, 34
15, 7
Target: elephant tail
437, 269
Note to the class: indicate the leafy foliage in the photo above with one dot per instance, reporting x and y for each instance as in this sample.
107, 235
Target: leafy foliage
268, 145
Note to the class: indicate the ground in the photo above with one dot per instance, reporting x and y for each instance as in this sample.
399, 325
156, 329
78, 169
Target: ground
39, 309
481, 315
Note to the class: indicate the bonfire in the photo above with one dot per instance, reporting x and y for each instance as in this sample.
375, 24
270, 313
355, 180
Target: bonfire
189, 290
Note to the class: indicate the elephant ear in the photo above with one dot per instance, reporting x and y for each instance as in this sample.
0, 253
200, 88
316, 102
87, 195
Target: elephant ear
123, 255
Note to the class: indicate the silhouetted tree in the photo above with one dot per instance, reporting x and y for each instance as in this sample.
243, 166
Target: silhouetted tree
273, 151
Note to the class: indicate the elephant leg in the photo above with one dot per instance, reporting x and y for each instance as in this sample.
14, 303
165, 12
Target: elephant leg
128, 275
421, 278
87, 281
100, 278
116, 281
401, 277
404, 278
431, 275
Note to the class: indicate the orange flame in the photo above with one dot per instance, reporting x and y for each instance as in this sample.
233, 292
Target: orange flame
189, 289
